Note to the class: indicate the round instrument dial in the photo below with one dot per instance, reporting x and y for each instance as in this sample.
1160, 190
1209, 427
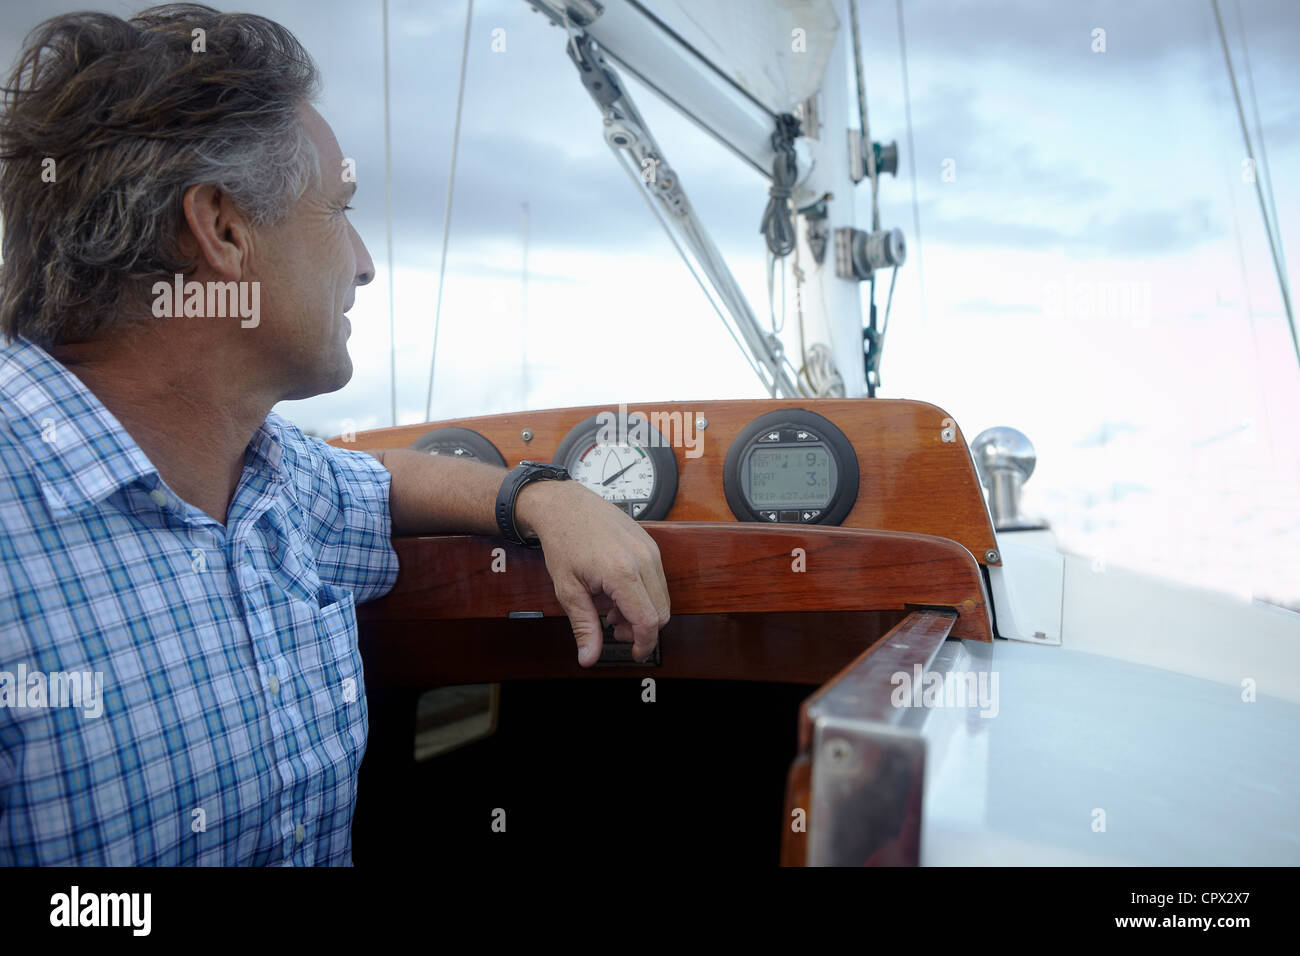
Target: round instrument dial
627, 462
791, 465
459, 443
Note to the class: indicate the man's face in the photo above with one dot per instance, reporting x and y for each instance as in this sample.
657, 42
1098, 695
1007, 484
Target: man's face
309, 266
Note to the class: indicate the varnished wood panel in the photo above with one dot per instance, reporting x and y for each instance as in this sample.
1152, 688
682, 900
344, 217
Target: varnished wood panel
910, 478
710, 568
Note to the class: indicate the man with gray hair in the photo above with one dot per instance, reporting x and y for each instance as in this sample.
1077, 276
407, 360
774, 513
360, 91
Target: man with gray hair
159, 525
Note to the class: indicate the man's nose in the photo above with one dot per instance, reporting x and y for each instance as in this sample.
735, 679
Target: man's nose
365, 266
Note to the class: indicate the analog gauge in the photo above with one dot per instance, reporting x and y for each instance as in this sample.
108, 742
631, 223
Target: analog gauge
791, 465
459, 443
625, 461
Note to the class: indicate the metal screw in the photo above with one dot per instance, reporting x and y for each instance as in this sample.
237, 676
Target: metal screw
526, 434
837, 751
991, 556
701, 423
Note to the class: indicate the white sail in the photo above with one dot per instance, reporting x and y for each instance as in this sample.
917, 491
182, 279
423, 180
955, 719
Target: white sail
777, 50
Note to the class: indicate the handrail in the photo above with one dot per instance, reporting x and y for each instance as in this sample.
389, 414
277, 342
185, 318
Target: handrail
859, 774
754, 577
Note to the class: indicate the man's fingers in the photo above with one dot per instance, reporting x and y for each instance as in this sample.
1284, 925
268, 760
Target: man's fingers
639, 613
581, 610
622, 627
657, 585
656, 589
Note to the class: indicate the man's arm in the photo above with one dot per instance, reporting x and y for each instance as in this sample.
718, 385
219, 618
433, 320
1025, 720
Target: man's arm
592, 549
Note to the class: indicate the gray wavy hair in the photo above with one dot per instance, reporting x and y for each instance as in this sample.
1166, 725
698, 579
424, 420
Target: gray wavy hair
105, 123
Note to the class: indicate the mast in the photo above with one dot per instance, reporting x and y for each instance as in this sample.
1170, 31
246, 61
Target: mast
831, 305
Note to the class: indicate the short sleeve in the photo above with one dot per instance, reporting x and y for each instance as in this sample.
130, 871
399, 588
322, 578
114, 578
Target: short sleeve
344, 496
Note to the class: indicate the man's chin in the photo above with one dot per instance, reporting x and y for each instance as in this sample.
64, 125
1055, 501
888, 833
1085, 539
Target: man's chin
325, 381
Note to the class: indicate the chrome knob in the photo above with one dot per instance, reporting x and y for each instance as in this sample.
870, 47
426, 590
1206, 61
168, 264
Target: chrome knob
1005, 459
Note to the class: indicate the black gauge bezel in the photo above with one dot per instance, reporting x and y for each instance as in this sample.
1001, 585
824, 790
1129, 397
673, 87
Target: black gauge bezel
660, 454
844, 465
482, 449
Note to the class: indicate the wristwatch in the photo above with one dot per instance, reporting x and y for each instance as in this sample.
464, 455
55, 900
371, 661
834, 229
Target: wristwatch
514, 482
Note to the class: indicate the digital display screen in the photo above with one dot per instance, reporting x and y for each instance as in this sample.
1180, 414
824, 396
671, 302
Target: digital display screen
790, 477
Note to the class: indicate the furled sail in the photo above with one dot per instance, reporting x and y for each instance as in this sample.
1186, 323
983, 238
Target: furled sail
777, 50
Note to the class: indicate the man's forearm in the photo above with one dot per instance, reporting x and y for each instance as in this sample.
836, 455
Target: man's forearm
591, 548
435, 494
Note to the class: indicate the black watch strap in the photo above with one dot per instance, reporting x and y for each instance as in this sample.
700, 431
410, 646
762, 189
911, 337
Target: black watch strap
514, 482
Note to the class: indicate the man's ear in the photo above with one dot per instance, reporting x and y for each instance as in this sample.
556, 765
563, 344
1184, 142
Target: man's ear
218, 234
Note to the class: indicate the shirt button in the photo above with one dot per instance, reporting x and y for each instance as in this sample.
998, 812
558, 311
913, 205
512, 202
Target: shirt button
159, 497
299, 834
274, 684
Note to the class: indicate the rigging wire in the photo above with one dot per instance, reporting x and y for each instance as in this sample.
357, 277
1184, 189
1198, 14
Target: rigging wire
388, 225
1250, 305
722, 283
889, 305
446, 217
868, 148
1259, 129
658, 214
869, 153
911, 161
1259, 192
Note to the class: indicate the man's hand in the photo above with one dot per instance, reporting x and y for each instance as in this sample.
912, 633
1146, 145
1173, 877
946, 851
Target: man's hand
594, 550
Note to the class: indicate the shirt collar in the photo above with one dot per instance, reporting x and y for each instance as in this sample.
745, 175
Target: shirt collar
78, 450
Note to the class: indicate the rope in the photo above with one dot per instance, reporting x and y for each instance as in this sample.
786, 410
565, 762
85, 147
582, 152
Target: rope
778, 223
446, 217
771, 292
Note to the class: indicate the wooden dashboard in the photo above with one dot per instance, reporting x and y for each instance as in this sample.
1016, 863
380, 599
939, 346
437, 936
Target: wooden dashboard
844, 598
915, 469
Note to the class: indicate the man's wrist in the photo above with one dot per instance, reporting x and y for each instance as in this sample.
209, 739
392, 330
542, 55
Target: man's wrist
534, 502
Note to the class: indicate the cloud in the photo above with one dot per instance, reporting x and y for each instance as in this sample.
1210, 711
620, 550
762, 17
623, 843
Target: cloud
989, 307
1105, 433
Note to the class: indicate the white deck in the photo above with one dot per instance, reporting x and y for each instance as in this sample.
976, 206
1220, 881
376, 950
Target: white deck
1140, 714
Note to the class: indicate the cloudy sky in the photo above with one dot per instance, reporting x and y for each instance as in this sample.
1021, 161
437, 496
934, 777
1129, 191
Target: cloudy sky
1166, 424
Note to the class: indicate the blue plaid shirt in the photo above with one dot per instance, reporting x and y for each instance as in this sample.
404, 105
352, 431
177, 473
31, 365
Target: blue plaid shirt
231, 707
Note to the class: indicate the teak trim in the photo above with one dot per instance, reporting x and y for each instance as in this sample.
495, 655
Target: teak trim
710, 568
865, 810
915, 470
